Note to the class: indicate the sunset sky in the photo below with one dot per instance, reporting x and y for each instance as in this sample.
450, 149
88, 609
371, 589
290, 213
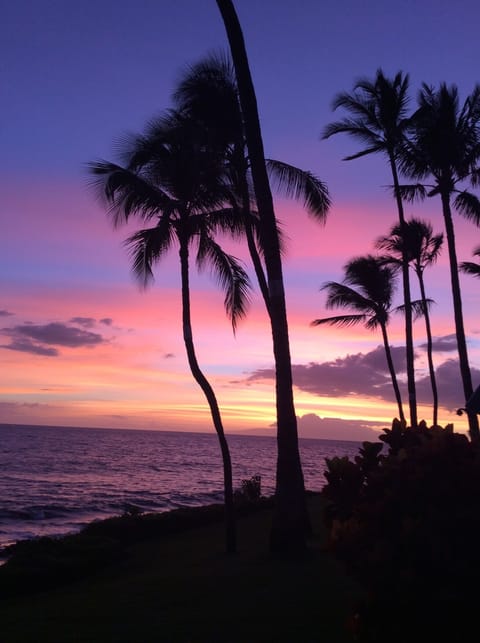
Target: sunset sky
80, 344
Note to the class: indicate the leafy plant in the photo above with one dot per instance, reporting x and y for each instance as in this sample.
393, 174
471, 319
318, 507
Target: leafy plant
403, 517
250, 490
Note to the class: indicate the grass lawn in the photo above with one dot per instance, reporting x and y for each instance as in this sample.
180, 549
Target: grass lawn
183, 587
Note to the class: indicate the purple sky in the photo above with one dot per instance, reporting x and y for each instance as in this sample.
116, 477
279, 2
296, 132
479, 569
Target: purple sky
75, 77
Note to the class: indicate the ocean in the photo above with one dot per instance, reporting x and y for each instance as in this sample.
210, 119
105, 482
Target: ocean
55, 480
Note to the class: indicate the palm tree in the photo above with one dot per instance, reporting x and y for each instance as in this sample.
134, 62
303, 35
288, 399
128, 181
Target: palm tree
367, 289
422, 248
379, 120
290, 520
444, 145
171, 177
471, 268
208, 93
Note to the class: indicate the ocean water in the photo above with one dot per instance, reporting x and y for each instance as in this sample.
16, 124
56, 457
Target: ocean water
55, 480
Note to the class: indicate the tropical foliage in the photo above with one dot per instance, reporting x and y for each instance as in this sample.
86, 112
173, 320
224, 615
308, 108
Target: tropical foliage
367, 289
172, 179
398, 516
444, 147
439, 147
415, 241
470, 267
379, 120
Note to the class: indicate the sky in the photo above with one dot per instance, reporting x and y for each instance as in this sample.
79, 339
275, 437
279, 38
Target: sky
80, 343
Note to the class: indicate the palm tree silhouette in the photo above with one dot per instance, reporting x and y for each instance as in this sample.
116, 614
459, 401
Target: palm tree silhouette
172, 177
444, 144
367, 289
379, 120
471, 268
422, 248
208, 93
290, 519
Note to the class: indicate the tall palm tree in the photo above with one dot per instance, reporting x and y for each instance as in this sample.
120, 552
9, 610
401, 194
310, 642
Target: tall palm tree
290, 520
172, 178
422, 248
471, 268
444, 145
367, 289
378, 119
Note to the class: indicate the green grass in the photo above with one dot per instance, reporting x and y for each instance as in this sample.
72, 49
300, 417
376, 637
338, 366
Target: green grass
182, 587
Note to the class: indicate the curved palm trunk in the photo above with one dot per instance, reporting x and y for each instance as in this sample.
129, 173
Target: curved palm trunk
458, 314
391, 368
230, 527
252, 246
428, 329
412, 396
290, 520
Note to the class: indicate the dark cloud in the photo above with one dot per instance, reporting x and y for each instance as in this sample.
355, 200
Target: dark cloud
359, 374
449, 385
38, 339
86, 322
313, 426
27, 346
444, 344
107, 321
6, 313
366, 375
57, 334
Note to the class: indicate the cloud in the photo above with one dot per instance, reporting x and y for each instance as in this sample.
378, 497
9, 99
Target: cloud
168, 356
5, 313
86, 322
90, 322
444, 344
27, 346
449, 385
366, 375
313, 426
359, 374
37, 339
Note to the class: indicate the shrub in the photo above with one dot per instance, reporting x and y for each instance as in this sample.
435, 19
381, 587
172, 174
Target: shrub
250, 490
405, 519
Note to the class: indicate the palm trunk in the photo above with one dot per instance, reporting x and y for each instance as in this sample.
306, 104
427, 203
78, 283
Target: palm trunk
230, 527
290, 520
252, 246
412, 395
458, 314
428, 329
391, 368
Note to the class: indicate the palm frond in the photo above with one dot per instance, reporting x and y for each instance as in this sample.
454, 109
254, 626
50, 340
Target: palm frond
412, 193
230, 276
300, 184
126, 193
470, 268
417, 307
468, 205
358, 130
147, 247
374, 149
342, 296
475, 177
342, 321
207, 92
388, 260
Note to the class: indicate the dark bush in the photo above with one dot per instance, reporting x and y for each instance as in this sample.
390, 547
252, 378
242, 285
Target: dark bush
250, 491
405, 519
